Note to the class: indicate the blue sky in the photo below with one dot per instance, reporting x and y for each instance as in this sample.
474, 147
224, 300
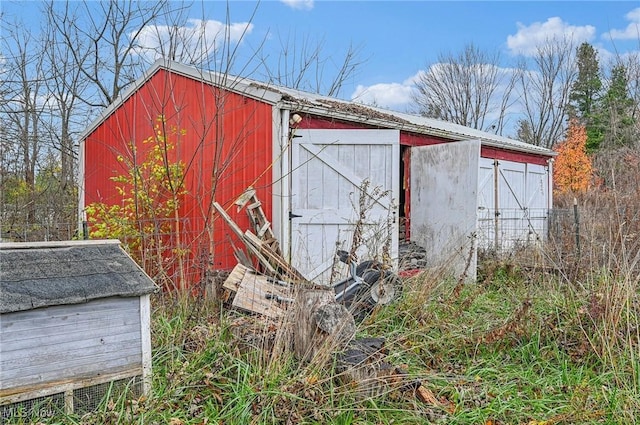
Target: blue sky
402, 38
399, 39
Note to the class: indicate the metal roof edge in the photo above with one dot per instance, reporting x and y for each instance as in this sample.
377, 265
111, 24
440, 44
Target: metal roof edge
404, 122
297, 100
240, 85
236, 84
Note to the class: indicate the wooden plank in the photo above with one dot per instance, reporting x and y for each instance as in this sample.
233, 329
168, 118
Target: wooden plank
111, 304
28, 392
252, 295
69, 353
232, 224
236, 229
276, 260
246, 196
98, 365
56, 341
261, 226
234, 279
72, 323
263, 230
145, 327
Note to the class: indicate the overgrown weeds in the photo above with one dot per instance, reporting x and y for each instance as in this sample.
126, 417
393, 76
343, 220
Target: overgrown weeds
524, 344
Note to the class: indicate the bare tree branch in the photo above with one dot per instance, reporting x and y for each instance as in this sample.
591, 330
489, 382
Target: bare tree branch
469, 89
544, 93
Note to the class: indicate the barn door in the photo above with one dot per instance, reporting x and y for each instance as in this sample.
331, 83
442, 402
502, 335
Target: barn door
537, 199
487, 208
513, 228
329, 168
444, 202
513, 203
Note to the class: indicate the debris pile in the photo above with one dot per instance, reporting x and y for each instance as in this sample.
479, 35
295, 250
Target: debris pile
316, 321
411, 256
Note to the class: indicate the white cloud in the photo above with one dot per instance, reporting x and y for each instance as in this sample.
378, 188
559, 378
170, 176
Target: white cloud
191, 43
631, 32
396, 96
299, 4
529, 38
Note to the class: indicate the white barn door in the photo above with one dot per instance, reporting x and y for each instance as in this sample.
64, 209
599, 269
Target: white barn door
519, 194
537, 200
444, 203
328, 170
487, 197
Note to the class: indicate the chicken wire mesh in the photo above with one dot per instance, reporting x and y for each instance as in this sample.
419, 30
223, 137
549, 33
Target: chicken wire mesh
35, 408
85, 400
510, 229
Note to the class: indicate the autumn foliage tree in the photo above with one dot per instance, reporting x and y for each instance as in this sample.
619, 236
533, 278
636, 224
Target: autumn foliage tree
147, 219
573, 168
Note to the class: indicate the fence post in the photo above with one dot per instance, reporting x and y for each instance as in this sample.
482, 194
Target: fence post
576, 220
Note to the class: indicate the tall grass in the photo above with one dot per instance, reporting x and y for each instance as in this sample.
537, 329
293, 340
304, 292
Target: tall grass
520, 345
548, 336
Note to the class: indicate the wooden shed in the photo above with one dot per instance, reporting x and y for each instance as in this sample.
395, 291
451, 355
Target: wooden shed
74, 324
309, 156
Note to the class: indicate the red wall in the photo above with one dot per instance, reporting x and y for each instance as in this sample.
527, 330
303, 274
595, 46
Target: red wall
235, 129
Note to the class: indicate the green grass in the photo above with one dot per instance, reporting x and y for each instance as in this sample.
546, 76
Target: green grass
514, 348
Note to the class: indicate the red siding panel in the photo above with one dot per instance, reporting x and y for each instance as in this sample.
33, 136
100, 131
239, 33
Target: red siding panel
225, 145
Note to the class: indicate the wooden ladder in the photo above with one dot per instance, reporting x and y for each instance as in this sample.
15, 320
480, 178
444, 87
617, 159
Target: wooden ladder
258, 219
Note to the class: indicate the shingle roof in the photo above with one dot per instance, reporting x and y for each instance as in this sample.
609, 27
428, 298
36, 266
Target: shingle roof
45, 274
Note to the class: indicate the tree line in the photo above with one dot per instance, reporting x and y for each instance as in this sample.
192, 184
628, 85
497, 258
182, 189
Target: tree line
56, 78
559, 82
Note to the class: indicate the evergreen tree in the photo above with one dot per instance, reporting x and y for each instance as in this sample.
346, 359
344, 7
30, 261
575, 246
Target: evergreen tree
525, 132
617, 109
585, 95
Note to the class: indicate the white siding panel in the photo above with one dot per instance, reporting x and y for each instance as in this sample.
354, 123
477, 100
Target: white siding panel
60, 342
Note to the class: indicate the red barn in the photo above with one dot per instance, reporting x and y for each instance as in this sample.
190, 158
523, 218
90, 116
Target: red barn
310, 158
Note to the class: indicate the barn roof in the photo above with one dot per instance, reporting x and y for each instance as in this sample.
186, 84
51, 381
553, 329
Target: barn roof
301, 101
43, 274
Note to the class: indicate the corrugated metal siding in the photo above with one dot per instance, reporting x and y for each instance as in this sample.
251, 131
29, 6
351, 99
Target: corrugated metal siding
223, 131
62, 342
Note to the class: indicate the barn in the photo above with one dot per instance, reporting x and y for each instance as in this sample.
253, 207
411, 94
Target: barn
74, 325
318, 165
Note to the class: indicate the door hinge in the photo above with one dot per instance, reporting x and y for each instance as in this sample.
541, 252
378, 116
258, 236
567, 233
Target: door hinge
292, 215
